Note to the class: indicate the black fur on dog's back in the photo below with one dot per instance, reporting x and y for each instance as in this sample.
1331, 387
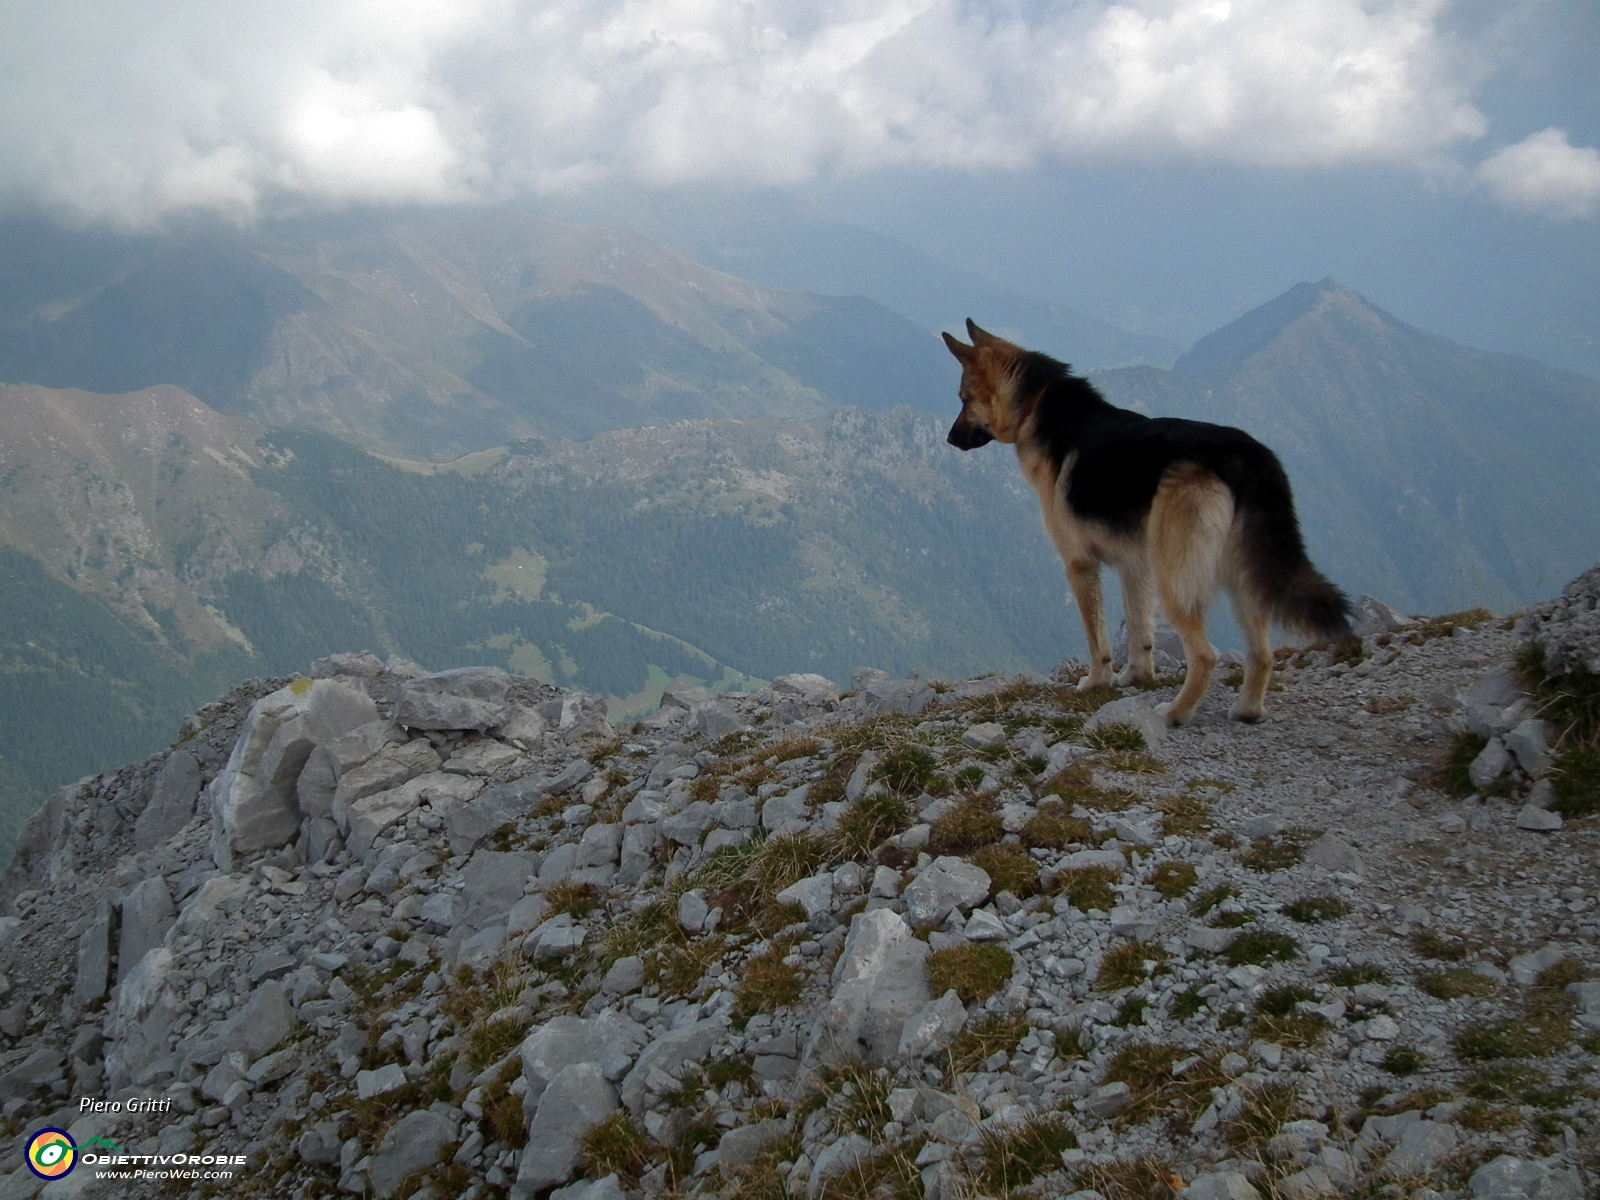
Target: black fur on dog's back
1121, 457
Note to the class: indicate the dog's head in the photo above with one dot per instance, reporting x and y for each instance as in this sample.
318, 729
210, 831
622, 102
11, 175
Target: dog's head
988, 410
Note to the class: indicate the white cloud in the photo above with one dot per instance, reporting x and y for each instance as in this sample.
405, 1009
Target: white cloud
1544, 173
125, 112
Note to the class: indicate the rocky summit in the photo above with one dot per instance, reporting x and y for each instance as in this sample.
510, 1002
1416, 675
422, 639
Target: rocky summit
378, 931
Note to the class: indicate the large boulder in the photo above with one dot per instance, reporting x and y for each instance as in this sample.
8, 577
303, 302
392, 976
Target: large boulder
578, 1099
668, 1053
412, 1144
1512, 1178
254, 799
465, 698
493, 882
609, 1040
147, 914
171, 803
319, 778
878, 982
146, 1015
946, 885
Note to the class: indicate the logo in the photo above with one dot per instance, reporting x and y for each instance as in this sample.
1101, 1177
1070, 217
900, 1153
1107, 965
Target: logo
52, 1153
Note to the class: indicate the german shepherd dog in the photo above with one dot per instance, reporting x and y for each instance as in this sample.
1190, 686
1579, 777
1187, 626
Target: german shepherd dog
1181, 506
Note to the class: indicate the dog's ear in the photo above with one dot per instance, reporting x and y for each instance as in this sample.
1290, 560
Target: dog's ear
960, 349
979, 336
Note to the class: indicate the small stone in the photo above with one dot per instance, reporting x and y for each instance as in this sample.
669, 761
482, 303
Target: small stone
1539, 820
390, 1077
626, 975
814, 894
1107, 1101
1492, 762
947, 884
987, 736
692, 910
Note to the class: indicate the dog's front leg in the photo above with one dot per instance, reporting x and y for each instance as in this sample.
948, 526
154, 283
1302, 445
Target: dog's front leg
1084, 576
1137, 600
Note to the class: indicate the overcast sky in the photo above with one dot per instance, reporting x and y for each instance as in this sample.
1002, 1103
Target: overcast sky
1075, 145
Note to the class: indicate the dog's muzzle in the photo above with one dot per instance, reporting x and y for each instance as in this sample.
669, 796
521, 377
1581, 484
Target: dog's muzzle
964, 435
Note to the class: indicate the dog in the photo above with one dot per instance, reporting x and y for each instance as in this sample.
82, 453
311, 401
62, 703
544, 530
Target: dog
1180, 509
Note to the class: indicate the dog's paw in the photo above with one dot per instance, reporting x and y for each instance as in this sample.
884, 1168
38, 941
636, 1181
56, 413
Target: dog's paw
1248, 713
1093, 683
1133, 677
1172, 717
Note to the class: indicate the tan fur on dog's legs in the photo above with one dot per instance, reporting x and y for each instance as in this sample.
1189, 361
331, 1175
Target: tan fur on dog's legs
1136, 609
1084, 576
1200, 654
1257, 629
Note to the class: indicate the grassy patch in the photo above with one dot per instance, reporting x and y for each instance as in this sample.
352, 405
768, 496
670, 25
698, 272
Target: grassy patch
1185, 816
869, 821
1076, 785
1187, 1003
1450, 775
1146, 1067
1087, 887
1055, 828
1486, 1118
1010, 869
768, 983
616, 1146
1544, 1028
906, 770
1210, 898
1259, 947
1442, 947
1404, 1060
1315, 910
972, 824
1148, 1178
502, 1108
1560, 973
994, 1034
1355, 974
1115, 735
579, 899
1266, 1110
1015, 1158
1453, 985
976, 972
1279, 1019
1129, 965
1174, 879
889, 1174
1279, 853
1445, 626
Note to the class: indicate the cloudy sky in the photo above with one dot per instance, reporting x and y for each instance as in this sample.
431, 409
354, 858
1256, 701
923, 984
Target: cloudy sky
1163, 163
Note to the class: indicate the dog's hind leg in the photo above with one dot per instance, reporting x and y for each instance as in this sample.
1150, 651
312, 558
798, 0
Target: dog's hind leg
1084, 576
1257, 629
1137, 600
1187, 536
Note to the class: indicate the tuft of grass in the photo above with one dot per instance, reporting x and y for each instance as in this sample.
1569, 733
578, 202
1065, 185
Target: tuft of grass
906, 770
1450, 774
616, 1146
1055, 828
579, 899
1076, 785
1087, 887
502, 1108
1314, 910
869, 821
975, 971
1560, 973
1575, 777
1185, 816
989, 1036
1116, 735
1484, 1118
1015, 1158
1259, 947
1146, 1067
1129, 965
1174, 879
1279, 853
1010, 869
1187, 1003
1452, 985
1444, 626
1544, 1028
1279, 1019
1210, 898
768, 983
1147, 1178
1355, 974
972, 824
1267, 1109
1429, 944
1404, 1060
858, 1098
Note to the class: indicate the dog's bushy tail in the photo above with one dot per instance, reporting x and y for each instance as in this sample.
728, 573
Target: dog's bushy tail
1278, 573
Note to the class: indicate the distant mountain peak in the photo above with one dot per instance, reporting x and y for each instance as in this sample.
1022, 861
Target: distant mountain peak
1220, 352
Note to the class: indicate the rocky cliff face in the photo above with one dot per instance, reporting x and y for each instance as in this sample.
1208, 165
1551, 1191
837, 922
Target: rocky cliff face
394, 933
